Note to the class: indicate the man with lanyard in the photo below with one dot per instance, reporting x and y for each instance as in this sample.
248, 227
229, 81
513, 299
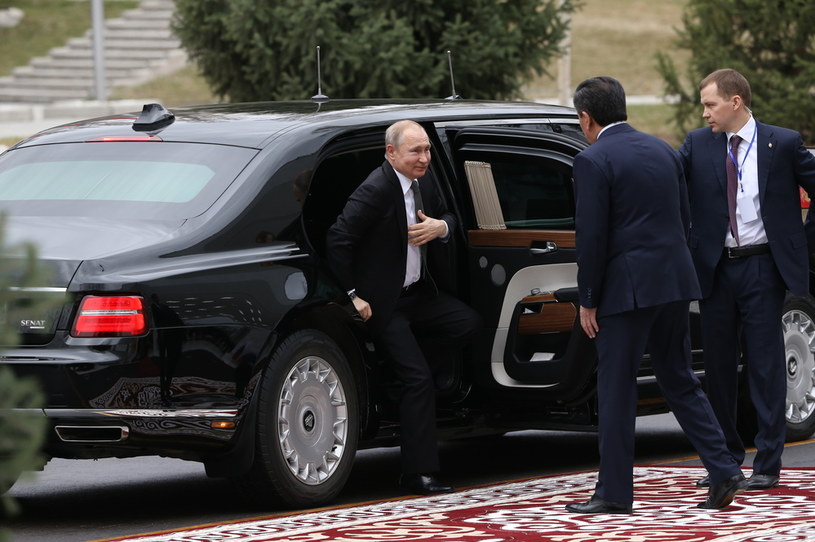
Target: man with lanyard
749, 246
636, 279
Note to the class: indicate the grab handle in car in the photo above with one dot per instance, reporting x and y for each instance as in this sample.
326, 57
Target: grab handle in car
550, 246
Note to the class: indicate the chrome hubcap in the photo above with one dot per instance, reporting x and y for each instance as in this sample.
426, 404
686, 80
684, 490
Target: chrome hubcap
799, 342
312, 420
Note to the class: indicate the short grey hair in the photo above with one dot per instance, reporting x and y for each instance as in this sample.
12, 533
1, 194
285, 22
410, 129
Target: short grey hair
394, 133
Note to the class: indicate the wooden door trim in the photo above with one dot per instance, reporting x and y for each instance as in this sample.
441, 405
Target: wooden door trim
519, 238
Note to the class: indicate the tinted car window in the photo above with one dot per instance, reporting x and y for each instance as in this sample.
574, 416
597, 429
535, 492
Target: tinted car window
132, 179
534, 193
333, 182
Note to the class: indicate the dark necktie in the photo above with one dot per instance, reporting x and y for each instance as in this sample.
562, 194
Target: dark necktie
417, 198
732, 184
417, 205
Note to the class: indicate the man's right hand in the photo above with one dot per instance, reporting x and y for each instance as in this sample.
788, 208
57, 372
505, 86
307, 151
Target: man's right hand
588, 321
363, 308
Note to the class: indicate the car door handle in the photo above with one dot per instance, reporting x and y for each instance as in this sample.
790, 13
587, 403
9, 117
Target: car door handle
550, 246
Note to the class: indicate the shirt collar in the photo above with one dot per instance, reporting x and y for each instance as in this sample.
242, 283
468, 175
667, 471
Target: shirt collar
404, 181
609, 126
746, 132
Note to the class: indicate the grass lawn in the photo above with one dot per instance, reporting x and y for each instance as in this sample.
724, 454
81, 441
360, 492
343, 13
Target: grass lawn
47, 24
619, 38
184, 87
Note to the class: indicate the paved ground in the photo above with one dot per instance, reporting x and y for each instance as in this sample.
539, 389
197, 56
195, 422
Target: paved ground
80, 500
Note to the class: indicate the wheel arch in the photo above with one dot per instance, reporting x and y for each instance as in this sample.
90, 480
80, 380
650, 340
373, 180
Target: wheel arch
350, 336
336, 322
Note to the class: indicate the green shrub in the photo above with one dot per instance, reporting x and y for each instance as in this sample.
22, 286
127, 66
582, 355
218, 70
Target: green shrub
254, 51
22, 426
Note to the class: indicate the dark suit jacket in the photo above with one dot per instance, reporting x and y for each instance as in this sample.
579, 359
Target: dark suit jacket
632, 221
784, 164
367, 245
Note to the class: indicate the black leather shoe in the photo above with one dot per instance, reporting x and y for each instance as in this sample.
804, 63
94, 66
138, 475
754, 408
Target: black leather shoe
762, 481
703, 482
423, 484
598, 506
720, 495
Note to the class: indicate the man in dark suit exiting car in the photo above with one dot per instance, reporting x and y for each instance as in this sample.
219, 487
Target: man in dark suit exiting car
635, 278
377, 252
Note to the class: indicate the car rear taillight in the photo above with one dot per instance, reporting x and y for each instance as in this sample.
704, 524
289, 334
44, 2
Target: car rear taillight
110, 316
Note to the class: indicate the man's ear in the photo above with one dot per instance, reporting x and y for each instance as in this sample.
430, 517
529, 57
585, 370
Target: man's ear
586, 119
588, 125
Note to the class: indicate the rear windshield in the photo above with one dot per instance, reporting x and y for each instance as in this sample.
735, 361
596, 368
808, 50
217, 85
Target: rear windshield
118, 179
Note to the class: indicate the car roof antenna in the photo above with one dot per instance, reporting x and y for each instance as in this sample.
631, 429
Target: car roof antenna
153, 117
319, 97
453, 96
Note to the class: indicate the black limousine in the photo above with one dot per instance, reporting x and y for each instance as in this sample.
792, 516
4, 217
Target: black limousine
186, 308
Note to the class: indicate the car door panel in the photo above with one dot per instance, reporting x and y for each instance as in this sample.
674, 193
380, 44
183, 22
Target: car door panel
521, 251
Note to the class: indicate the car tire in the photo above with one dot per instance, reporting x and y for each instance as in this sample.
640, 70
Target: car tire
307, 424
798, 328
798, 324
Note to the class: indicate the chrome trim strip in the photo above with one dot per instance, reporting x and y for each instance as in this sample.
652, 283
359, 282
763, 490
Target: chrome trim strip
186, 413
103, 312
199, 262
124, 432
653, 379
499, 121
24, 411
38, 289
141, 413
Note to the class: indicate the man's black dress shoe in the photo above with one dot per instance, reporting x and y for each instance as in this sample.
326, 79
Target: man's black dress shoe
598, 506
703, 482
422, 484
720, 495
762, 481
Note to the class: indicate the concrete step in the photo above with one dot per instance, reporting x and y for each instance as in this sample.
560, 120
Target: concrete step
86, 62
114, 42
134, 54
127, 33
152, 5
78, 83
61, 72
141, 24
147, 15
38, 95
139, 45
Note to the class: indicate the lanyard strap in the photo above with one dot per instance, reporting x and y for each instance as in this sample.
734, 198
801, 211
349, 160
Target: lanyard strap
739, 169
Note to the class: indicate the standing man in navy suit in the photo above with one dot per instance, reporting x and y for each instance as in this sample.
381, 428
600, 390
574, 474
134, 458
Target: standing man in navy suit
749, 246
376, 250
635, 277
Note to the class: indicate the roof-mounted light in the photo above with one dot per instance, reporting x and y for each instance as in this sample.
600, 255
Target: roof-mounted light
129, 138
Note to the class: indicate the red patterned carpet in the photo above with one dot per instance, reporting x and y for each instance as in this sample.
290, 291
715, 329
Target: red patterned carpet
533, 510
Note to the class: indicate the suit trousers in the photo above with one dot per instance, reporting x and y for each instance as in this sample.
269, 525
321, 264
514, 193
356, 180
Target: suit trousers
621, 343
425, 328
745, 308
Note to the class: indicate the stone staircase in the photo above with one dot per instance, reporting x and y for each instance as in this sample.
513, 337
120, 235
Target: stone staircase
139, 45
